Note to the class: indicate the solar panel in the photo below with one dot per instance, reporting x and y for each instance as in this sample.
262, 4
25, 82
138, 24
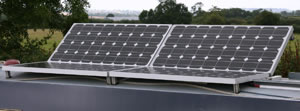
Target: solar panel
216, 54
95, 49
123, 44
230, 48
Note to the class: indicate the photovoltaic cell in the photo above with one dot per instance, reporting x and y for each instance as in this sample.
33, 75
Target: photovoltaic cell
122, 44
237, 48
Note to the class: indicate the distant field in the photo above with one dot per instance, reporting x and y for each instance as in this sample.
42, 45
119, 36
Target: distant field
56, 37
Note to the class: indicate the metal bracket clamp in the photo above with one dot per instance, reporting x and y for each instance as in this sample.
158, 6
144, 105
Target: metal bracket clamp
108, 80
236, 88
114, 81
111, 80
8, 75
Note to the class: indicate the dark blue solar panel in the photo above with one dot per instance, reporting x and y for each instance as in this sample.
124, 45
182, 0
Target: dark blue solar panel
241, 48
127, 44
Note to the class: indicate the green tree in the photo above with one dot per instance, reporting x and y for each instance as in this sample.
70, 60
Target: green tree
151, 16
197, 9
236, 21
21, 15
110, 15
76, 10
284, 13
167, 13
256, 12
235, 13
214, 18
147, 16
267, 18
143, 17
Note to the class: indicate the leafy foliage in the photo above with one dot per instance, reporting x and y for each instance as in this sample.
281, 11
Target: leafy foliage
236, 13
267, 18
21, 15
210, 18
147, 16
110, 15
167, 13
76, 13
236, 21
28, 12
221, 16
197, 9
290, 60
215, 18
295, 21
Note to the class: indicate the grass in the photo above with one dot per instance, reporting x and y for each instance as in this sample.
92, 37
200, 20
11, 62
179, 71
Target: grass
39, 33
292, 43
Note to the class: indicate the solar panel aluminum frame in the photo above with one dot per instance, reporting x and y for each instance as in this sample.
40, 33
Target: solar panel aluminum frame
183, 78
54, 71
161, 45
277, 59
283, 46
155, 52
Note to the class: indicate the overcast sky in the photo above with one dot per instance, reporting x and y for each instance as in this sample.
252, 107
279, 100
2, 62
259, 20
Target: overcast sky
148, 4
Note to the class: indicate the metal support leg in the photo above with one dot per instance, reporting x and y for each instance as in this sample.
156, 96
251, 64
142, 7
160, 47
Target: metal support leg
114, 81
108, 80
236, 88
8, 75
